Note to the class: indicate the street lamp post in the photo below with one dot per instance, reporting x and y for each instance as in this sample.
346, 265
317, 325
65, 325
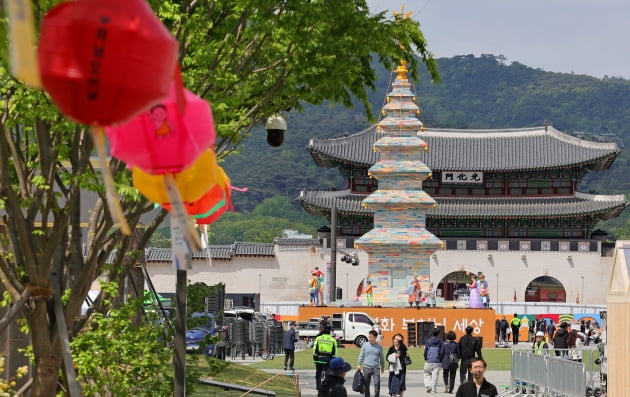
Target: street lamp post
259, 289
347, 290
497, 297
582, 289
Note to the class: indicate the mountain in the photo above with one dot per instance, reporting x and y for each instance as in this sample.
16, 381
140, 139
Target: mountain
474, 92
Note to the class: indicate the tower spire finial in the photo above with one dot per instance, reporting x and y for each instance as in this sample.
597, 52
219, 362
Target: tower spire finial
401, 14
401, 71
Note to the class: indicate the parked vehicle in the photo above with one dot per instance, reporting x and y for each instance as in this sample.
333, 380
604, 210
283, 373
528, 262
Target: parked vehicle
198, 337
347, 327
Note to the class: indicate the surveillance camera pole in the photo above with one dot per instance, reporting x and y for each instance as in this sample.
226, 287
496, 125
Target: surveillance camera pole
332, 277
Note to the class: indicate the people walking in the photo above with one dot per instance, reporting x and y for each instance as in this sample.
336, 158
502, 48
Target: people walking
372, 362
432, 361
575, 341
540, 346
333, 386
324, 350
540, 325
450, 357
288, 344
559, 340
396, 357
479, 386
469, 350
503, 327
515, 323
551, 330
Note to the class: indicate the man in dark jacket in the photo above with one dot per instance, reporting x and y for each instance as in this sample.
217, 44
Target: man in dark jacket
560, 340
333, 386
479, 387
469, 349
288, 344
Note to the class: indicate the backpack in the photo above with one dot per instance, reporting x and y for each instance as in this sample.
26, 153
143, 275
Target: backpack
433, 354
452, 358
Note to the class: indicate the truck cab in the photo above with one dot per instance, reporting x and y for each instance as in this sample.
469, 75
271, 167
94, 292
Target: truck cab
347, 327
355, 326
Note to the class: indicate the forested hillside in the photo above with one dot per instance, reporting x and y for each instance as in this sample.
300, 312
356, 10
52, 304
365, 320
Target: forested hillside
475, 92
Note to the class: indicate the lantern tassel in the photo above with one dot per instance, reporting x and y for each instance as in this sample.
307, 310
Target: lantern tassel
179, 214
113, 202
22, 39
204, 241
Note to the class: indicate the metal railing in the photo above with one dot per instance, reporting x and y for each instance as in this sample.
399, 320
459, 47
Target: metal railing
548, 375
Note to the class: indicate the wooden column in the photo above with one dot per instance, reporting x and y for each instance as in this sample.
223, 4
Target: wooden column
618, 322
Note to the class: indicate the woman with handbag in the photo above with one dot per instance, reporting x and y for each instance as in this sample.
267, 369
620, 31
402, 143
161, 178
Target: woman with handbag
398, 360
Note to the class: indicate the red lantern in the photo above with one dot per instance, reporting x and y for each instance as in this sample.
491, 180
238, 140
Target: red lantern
161, 139
104, 61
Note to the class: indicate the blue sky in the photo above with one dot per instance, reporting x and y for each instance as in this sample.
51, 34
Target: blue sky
571, 36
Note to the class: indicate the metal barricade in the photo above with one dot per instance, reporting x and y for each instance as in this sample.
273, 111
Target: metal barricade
547, 375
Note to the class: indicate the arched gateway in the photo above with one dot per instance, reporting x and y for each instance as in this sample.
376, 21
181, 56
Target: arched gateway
545, 289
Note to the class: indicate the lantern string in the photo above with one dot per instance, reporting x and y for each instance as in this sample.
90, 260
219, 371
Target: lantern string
179, 213
113, 202
180, 98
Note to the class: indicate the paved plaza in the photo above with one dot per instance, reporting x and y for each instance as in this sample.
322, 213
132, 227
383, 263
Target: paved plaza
415, 380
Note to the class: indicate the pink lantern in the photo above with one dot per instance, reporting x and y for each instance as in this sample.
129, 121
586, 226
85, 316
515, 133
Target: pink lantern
161, 139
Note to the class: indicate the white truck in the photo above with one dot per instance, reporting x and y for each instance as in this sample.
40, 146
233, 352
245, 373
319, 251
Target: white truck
347, 327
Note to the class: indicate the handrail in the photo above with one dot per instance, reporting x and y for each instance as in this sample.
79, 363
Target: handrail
260, 384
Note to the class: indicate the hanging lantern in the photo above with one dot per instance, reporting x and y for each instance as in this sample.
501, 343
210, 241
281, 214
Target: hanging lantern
219, 191
162, 139
104, 61
192, 182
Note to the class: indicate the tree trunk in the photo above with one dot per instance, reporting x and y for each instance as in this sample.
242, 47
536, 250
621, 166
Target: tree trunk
46, 376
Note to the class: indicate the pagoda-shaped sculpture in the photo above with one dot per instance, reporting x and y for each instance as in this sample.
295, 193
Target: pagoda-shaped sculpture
399, 246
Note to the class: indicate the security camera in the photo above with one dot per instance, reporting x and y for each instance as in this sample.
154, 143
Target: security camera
276, 127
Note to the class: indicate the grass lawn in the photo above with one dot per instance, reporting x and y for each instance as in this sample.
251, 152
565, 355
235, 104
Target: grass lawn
497, 359
244, 375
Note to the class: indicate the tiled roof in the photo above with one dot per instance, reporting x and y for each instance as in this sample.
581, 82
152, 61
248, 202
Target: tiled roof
344, 200
581, 203
217, 252
476, 150
299, 242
